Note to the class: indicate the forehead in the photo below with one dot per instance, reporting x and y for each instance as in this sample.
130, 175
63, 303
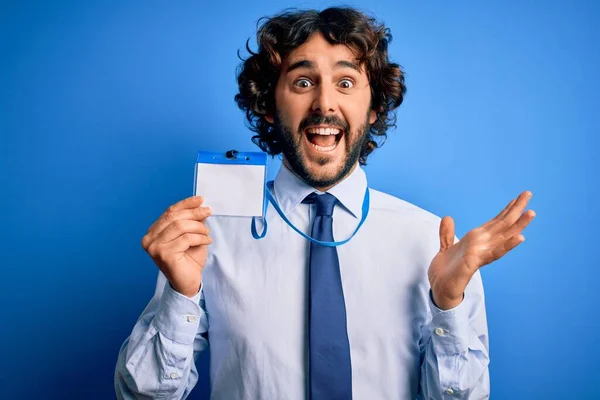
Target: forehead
320, 52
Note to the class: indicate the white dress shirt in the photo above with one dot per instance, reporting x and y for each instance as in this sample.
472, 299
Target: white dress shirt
251, 312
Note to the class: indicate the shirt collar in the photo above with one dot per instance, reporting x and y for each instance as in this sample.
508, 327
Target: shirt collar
290, 190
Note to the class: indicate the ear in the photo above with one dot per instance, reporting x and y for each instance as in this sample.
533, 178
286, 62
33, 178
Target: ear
269, 118
372, 117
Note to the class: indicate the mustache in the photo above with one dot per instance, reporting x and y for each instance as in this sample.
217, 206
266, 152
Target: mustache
324, 120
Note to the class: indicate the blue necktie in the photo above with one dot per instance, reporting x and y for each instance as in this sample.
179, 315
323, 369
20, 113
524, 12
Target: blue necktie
330, 371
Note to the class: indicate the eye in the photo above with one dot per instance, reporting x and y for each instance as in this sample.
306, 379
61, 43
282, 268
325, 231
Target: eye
346, 83
302, 83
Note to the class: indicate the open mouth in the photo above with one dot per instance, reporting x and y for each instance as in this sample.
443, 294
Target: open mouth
324, 139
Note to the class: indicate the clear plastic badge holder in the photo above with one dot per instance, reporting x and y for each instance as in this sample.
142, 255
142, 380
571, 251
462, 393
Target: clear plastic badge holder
233, 184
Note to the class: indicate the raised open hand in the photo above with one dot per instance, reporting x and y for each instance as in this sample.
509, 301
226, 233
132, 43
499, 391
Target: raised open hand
452, 268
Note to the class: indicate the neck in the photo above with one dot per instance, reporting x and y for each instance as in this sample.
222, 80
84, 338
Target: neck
322, 188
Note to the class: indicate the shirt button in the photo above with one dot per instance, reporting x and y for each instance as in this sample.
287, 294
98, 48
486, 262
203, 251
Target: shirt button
440, 332
449, 391
173, 375
191, 318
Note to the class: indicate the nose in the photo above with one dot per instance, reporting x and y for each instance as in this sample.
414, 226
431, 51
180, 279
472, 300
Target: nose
325, 101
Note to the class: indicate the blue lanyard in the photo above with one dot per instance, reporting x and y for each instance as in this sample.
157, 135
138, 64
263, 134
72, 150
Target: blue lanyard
365, 212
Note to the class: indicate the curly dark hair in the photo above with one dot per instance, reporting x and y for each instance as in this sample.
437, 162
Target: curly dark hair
258, 74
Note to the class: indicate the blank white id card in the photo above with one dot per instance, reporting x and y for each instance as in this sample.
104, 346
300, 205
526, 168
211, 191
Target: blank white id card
232, 183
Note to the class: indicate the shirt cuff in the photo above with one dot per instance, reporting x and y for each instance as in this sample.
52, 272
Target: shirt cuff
178, 316
451, 329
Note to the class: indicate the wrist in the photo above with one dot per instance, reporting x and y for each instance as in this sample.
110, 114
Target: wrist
188, 291
444, 302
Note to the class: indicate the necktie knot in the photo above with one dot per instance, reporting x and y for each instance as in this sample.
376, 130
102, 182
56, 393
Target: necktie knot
324, 202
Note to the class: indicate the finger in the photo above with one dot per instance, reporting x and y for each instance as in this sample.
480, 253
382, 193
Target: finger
521, 223
196, 252
500, 250
180, 227
196, 214
446, 233
500, 215
190, 202
503, 212
186, 241
174, 230
187, 203
508, 218
517, 209
165, 251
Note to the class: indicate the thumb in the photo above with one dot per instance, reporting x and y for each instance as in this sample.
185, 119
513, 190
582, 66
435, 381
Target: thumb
446, 233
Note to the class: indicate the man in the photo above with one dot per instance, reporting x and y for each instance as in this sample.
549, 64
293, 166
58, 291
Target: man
397, 312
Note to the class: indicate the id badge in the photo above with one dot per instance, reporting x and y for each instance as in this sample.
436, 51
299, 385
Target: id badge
232, 183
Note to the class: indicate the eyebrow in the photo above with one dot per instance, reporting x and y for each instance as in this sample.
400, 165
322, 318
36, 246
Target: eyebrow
309, 64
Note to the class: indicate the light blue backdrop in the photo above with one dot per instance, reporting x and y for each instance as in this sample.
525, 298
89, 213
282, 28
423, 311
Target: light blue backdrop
103, 106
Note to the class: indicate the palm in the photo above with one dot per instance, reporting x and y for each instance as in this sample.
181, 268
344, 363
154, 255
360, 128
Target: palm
453, 266
197, 256
189, 265
460, 261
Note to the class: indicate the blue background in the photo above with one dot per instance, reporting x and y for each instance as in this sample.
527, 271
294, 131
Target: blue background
104, 104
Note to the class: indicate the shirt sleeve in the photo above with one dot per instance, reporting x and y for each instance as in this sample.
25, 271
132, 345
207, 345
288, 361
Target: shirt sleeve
158, 359
455, 349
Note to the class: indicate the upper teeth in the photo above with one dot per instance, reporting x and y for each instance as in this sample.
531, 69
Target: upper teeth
323, 131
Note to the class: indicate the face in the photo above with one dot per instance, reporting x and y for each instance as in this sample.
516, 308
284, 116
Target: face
323, 113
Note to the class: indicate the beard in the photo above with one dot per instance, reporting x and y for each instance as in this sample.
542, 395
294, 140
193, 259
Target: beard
291, 148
